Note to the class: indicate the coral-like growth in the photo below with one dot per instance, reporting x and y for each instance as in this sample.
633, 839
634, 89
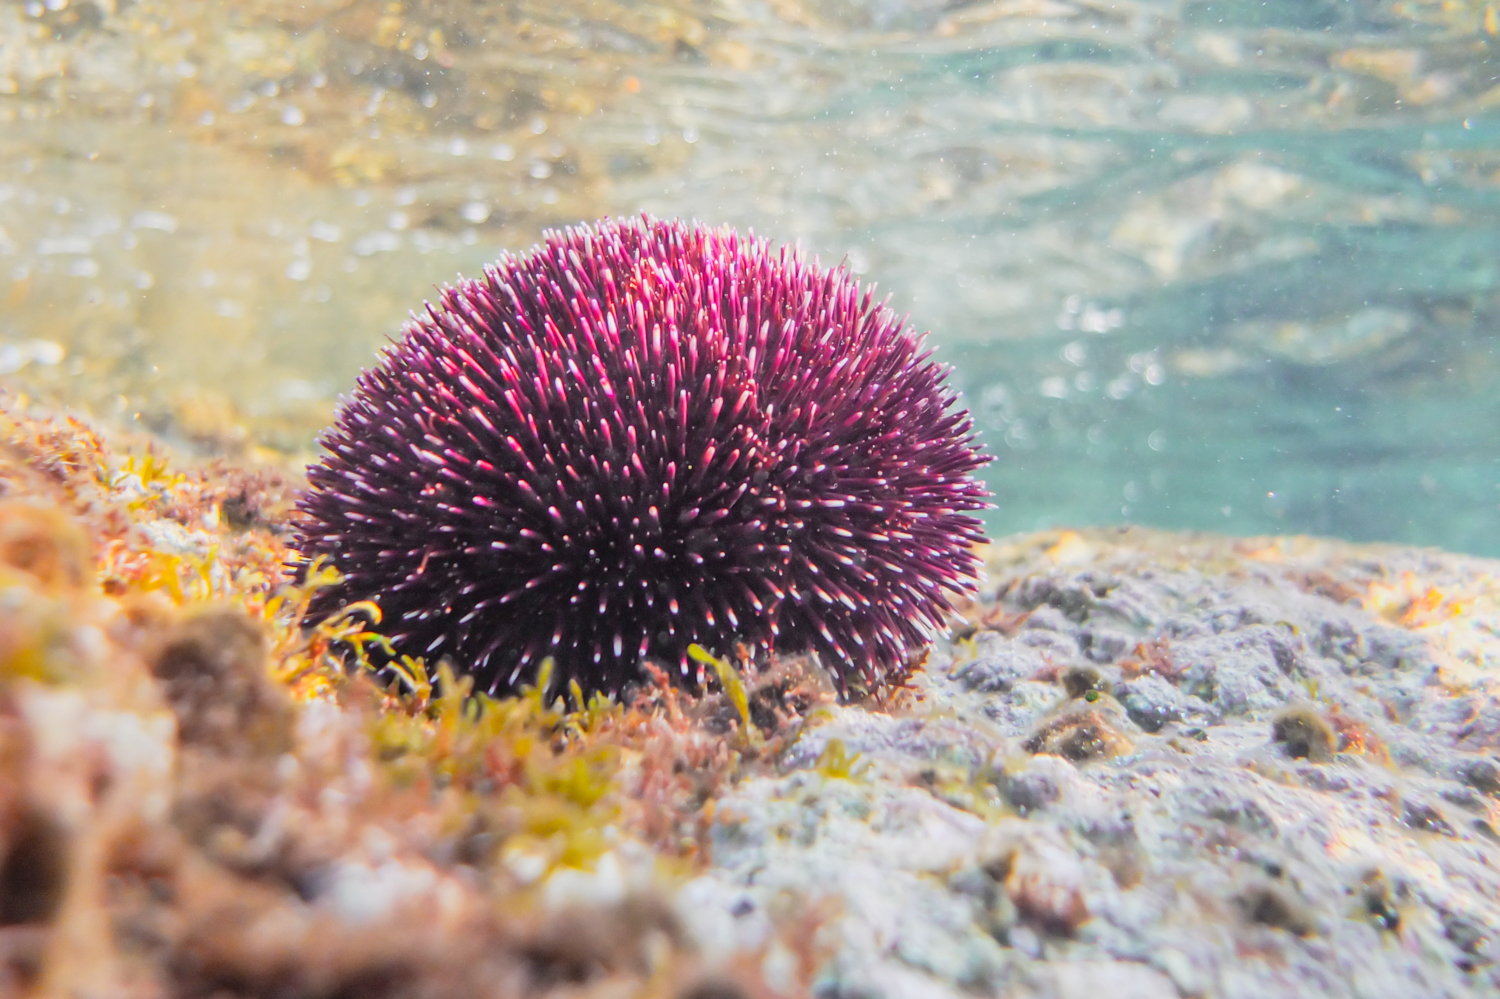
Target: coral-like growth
197, 796
640, 436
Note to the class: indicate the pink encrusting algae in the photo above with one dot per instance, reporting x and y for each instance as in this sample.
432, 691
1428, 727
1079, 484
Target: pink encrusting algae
641, 435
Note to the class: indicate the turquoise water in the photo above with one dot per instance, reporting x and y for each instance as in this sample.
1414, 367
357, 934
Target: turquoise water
1228, 265
1191, 272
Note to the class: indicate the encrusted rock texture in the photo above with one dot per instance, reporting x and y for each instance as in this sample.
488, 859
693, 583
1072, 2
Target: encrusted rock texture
1143, 765
1161, 765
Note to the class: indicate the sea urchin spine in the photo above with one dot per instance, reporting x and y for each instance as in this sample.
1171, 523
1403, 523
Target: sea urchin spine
643, 434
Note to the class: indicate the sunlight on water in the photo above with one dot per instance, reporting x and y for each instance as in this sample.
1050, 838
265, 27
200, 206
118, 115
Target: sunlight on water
1222, 265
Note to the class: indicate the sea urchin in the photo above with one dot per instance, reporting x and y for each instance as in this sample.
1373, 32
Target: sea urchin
641, 435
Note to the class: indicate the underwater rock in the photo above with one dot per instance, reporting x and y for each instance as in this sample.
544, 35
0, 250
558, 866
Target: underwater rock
1207, 857
213, 666
1284, 784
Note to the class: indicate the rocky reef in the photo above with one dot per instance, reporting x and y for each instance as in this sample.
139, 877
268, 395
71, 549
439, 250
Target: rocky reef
1145, 765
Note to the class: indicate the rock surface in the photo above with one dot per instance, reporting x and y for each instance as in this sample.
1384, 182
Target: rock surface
1277, 778
1147, 766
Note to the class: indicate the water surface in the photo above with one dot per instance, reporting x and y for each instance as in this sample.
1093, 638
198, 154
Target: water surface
1224, 265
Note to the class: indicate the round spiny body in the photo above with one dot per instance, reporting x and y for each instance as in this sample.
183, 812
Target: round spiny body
641, 435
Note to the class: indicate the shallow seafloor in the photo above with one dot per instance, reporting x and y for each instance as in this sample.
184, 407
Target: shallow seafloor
1149, 765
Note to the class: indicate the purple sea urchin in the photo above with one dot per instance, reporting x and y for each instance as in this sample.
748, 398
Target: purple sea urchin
641, 435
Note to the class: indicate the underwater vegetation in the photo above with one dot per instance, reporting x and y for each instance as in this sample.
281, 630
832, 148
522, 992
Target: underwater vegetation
198, 796
641, 436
